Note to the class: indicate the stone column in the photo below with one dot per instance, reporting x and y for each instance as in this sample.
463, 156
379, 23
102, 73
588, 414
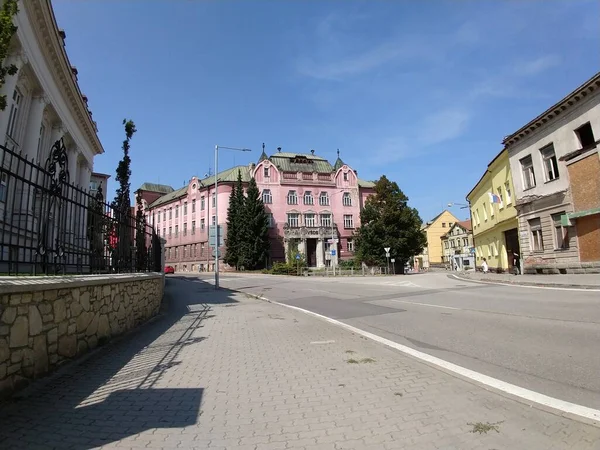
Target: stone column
320, 253
8, 89
304, 249
34, 124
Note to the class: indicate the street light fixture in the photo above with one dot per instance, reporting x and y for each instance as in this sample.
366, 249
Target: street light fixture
217, 147
462, 205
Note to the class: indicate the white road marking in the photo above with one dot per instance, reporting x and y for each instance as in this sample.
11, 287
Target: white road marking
323, 342
498, 283
426, 304
511, 389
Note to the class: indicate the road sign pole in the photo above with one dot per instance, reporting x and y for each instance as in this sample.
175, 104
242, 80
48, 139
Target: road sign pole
387, 255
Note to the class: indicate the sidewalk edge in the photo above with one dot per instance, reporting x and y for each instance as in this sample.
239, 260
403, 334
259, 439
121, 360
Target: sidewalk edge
524, 396
570, 287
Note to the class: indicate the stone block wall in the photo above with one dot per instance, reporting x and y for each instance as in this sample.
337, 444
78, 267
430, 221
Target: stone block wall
46, 321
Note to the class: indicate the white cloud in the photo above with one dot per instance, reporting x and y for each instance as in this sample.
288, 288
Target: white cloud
536, 66
443, 126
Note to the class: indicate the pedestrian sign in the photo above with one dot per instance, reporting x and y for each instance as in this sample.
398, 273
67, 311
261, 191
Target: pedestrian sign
298, 256
332, 252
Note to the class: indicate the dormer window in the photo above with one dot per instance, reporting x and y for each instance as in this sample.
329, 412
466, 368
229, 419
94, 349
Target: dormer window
345, 176
266, 172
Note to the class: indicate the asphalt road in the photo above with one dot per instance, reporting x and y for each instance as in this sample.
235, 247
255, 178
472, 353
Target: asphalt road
546, 340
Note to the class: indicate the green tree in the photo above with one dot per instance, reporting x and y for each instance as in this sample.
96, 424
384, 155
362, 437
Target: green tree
255, 232
388, 221
235, 224
7, 30
121, 203
140, 235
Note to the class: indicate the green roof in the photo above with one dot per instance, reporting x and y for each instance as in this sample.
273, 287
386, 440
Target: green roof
288, 163
365, 184
227, 176
153, 187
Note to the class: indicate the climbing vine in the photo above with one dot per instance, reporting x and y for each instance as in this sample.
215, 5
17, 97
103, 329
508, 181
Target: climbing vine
7, 29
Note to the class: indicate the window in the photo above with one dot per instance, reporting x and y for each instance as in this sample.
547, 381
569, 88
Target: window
585, 135
267, 198
561, 234
176, 211
202, 224
465, 242
175, 252
202, 203
485, 217
537, 241
195, 249
445, 244
185, 228
164, 215
271, 220
293, 220
193, 206
170, 233
184, 251
266, 172
170, 213
452, 245
176, 230
348, 221
310, 220
213, 220
501, 205
324, 199
158, 217
308, 198
325, 220
292, 198
201, 248
347, 199
550, 163
443, 224
450, 226
164, 232
193, 227
350, 245
527, 172
345, 176
492, 209
3, 187
13, 116
214, 200
40, 148
508, 196
478, 217
185, 208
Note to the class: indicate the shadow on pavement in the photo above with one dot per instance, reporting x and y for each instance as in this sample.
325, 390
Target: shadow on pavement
113, 394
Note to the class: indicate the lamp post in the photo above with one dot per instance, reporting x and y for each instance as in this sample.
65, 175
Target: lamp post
217, 147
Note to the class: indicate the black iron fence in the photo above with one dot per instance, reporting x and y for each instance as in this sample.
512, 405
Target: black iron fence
50, 226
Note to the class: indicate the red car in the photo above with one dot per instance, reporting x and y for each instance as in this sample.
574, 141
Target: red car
169, 269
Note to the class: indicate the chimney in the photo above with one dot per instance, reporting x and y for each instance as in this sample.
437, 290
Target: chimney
62, 34
74, 71
279, 149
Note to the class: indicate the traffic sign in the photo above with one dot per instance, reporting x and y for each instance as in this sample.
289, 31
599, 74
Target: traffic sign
387, 255
216, 252
393, 260
332, 241
212, 234
332, 252
298, 256
387, 249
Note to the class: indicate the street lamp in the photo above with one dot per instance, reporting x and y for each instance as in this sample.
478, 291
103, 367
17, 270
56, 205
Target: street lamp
462, 205
217, 147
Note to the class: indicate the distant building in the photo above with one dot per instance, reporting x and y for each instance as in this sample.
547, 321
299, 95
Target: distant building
310, 202
457, 245
494, 216
434, 229
98, 180
555, 229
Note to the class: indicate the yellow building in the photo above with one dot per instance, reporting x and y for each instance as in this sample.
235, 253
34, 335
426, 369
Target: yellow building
494, 216
435, 229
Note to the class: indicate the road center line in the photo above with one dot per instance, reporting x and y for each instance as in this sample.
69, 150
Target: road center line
426, 304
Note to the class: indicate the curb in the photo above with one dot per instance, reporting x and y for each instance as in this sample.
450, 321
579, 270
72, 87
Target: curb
524, 396
580, 287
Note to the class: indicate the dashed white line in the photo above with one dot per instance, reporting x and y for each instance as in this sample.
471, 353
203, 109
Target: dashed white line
425, 304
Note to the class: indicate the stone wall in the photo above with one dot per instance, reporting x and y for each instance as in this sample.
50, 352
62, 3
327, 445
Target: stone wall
46, 321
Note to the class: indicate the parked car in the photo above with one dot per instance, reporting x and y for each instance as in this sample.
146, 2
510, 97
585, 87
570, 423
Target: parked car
169, 269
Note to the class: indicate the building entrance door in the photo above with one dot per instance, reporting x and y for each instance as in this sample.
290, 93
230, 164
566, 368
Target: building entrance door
311, 252
511, 237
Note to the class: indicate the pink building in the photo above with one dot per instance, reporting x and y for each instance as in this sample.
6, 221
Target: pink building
310, 204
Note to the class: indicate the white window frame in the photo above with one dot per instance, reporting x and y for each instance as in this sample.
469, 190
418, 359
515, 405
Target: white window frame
324, 199
527, 172
292, 198
561, 233
308, 198
310, 220
348, 221
266, 172
508, 193
267, 197
536, 235
325, 219
346, 199
501, 205
271, 220
550, 163
213, 220
293, 220
202, 224
350, 245
16, 102
214, 199
202, 203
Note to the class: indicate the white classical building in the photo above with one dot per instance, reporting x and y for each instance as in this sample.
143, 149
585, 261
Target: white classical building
44, 102
44, 105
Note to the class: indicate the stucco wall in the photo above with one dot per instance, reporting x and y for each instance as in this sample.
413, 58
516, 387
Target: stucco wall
585, 182
45, 322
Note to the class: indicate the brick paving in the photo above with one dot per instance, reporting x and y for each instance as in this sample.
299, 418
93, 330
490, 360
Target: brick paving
224, 371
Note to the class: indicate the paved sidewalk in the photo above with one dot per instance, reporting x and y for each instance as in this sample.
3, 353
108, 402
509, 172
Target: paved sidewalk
224, 371
584, 281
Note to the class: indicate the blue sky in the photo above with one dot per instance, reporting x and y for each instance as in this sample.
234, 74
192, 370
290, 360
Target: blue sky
423, 92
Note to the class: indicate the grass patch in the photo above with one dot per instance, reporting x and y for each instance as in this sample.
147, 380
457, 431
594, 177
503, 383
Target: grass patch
367, 360
485, 428
352, 361
350, 352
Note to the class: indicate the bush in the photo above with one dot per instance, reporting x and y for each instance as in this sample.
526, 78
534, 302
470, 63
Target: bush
280, 268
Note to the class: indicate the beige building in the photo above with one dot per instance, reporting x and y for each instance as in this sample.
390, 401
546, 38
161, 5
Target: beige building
434, 230
457, 245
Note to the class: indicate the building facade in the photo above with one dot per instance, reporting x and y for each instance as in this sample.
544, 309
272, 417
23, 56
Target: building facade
494, 216
46, 124
457, 245
314, 208
538, 154
434, 230
97, 181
